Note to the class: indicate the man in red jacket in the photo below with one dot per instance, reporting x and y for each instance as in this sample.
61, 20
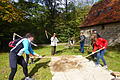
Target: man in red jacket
100, 43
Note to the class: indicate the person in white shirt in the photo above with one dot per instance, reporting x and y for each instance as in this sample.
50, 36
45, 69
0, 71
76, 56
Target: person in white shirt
54, 41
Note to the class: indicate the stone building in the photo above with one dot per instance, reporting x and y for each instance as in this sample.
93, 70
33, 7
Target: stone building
104, 17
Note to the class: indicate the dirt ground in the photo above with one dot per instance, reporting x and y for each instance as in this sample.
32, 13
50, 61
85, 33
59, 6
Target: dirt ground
77, 68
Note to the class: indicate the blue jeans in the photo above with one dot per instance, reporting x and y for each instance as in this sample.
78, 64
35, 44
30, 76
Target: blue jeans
100, 55
82, 47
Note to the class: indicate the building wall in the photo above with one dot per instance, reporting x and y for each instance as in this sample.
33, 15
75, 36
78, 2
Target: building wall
110, 32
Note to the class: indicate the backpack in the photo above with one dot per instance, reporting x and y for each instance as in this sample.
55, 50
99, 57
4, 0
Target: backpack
14, 42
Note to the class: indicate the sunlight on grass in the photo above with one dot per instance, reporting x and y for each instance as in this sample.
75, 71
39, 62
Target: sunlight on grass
40, 70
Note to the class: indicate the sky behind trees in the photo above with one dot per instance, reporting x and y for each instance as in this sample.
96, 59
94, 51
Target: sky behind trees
69, 0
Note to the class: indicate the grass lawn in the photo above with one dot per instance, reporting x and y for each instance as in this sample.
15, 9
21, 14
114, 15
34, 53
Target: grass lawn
40, 70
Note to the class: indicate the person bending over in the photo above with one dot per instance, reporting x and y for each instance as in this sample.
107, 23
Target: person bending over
15, 56
100, 43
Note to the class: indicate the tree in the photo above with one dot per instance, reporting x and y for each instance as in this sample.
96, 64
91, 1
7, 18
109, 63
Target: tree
9, 13
68, 23
39, 16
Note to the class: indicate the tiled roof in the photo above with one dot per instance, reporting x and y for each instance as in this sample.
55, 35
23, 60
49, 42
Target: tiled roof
106, 11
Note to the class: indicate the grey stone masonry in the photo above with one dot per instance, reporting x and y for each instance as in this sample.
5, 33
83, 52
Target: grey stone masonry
110, 32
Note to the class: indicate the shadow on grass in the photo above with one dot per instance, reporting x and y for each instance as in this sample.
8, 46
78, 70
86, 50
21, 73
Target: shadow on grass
38, 59
62, 51
74, 50
37, 67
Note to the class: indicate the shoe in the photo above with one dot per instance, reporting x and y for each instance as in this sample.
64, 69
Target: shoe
28, 64
105, 67
32, 62
95, 58
97, 65
27, 78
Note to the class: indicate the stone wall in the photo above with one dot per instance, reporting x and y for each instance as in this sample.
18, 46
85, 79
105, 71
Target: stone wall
110, 32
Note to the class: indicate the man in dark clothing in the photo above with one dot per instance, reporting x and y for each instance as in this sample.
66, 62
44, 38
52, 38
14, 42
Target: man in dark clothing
82, 41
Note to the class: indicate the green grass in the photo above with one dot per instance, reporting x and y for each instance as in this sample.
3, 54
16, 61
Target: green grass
113, 59
40, 70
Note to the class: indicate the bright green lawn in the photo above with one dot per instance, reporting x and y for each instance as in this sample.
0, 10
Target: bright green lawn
40, 70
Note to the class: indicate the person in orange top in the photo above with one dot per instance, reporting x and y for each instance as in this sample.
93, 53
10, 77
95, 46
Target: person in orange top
100, 43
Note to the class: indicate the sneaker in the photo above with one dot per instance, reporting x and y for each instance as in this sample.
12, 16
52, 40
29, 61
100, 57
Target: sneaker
105, 67
98, 65
27, 78
32, 62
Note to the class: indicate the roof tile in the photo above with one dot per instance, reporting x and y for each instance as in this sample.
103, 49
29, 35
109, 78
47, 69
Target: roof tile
106, 11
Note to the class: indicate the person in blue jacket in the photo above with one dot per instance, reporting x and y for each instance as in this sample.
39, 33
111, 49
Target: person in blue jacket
15, 56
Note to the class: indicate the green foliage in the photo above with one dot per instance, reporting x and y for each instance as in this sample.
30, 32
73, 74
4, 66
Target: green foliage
67, 25
100, 0
8, 16
9, 13
38, 17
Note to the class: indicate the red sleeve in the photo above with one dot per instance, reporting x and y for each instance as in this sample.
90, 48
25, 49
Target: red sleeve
95, 47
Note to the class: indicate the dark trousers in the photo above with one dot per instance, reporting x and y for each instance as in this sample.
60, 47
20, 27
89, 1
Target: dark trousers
14, 60
27, 59
82, 47
53, 50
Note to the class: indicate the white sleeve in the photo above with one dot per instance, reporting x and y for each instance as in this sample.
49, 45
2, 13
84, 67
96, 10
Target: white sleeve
57, 39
